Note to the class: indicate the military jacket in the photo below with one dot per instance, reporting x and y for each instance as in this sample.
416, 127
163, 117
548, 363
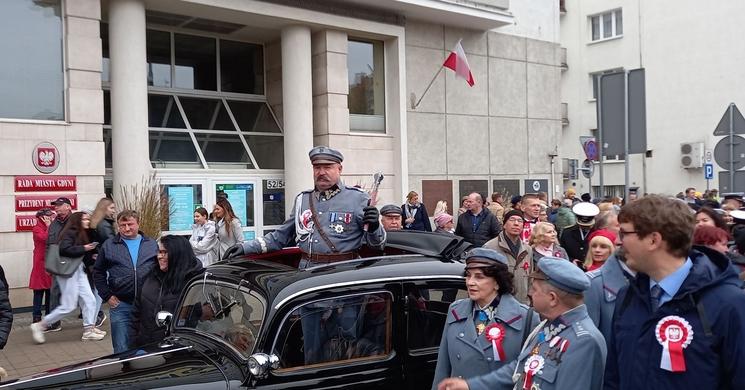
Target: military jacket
568, 354
466, 354
574, 242
600, 299
339, 214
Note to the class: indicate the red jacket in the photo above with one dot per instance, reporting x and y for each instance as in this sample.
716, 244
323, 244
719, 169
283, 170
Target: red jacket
40, 279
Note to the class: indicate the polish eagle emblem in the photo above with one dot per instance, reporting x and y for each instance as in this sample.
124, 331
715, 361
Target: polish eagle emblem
46, 157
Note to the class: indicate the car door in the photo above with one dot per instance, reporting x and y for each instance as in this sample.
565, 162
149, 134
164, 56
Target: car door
343, 338
425, 310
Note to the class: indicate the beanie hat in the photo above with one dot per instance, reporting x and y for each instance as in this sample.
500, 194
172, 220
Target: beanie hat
442, 219
510, 214
603, 232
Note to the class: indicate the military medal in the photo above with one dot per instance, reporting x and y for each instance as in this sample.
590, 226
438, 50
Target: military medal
674, 334
532, 366
338, 228
480, 328
495, 334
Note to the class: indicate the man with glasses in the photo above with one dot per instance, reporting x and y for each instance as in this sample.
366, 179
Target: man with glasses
518, 254
681, 323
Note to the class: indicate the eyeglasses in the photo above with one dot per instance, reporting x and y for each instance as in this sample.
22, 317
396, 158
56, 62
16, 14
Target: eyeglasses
516, 220
622, 233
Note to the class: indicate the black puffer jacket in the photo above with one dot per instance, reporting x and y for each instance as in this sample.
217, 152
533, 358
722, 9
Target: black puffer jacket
6, 311
154, 298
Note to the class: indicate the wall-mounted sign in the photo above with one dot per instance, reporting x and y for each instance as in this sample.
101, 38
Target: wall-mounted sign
39, 201
45, 183
25, 223
45, 157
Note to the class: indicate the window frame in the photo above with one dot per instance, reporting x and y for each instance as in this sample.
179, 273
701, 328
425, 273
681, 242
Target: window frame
358, 118
601, 25
595, 78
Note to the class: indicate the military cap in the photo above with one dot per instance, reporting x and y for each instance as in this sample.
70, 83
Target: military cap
738, 196
633, 190
585, 212
484, 257
325, 155
390, 209
738, 216
561, 274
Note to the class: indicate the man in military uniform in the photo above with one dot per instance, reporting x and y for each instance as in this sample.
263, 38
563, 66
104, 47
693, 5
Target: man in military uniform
574, 238
329, 223
605, 283
565, 351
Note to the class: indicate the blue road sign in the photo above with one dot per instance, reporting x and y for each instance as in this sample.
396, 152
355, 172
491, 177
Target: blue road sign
708, 171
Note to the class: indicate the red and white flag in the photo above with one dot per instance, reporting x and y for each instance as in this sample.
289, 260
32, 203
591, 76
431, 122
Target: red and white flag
457, 61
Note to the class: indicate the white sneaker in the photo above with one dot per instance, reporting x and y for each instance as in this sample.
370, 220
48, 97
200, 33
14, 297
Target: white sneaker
90, 335
99, 331
37, 332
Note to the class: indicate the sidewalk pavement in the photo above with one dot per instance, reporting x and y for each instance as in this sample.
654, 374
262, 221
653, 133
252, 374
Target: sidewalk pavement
21, 356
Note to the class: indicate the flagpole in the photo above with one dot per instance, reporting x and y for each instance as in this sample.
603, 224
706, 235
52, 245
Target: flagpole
427, 89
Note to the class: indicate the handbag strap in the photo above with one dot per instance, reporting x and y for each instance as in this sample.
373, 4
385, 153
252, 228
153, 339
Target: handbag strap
319, 229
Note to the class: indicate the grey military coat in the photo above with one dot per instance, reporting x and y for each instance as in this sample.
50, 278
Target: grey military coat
339, 216
580, 367
465, 354
600, 299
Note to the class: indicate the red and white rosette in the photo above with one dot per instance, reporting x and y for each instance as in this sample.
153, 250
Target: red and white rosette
674, 334
532, 366
495, 333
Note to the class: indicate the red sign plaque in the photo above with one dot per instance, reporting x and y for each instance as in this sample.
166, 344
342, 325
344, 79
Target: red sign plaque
46, 157
25, 223
45, 183
38, 201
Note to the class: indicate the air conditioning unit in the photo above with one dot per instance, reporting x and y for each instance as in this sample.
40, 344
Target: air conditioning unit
692, 155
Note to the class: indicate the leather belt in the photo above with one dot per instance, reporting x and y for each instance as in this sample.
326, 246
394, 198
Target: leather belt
331, 257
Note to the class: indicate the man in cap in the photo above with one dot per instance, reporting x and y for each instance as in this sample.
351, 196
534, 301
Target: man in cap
390, 216
329, 222
574, 238
679, 324
63, 209
566, 350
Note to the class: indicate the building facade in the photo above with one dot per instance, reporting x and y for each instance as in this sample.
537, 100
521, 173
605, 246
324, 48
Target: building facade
225, 98
693, 72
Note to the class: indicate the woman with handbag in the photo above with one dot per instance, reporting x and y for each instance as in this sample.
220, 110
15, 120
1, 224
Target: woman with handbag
74, 245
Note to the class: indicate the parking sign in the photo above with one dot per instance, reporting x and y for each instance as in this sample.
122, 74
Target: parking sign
708, 171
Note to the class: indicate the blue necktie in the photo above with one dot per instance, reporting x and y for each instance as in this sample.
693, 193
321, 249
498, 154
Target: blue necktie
654, 296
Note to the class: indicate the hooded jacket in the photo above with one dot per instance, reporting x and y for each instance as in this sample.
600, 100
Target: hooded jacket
711, 301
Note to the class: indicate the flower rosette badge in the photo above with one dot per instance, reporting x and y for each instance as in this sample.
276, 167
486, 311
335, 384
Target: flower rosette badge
674, 334
532, 366
495, 334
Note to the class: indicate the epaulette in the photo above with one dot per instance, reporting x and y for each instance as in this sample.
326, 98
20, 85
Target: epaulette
580, 330
308, 191
593, 274
355, 188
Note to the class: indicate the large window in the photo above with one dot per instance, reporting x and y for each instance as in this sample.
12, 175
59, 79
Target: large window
366, 99
31, 74
607, 25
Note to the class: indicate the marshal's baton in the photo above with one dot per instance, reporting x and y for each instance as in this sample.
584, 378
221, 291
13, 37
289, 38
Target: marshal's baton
377, 178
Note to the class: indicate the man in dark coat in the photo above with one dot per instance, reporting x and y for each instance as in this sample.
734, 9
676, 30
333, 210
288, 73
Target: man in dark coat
477, 225
574, 238
6, 316
681, 323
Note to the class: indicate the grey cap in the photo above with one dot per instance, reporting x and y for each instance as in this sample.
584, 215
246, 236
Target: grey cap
325, 155
562, 274
484, 257
390, 209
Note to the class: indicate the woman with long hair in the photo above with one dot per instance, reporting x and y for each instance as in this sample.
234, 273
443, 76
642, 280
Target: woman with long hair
601, 244
74, 242
228, 226
709, 217
203, 237
102, 220
415, 215
544, 241
40, 281
162, 288
440, 208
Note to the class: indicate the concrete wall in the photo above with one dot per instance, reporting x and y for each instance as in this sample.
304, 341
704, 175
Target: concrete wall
78, 139
501, 128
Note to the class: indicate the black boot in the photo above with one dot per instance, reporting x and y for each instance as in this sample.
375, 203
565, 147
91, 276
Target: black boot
37, 319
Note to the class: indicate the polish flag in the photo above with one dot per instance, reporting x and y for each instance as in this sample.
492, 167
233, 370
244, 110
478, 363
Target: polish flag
457, 61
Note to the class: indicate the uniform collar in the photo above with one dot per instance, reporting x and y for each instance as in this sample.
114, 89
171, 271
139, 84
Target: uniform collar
510, 312
571, 316
328, 194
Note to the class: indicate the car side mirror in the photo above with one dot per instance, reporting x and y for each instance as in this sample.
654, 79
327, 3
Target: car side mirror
163, 319
259, 364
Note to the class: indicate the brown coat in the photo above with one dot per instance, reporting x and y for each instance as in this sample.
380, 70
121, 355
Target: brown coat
521, 266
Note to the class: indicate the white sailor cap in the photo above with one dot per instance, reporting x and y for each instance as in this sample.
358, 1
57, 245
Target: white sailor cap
585, 212
738, 216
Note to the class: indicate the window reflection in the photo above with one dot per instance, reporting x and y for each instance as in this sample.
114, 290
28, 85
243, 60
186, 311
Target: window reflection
172, 147
366, 99
206, 114
268, 151
163, 112
196, 62
158, 58
222, 148
242, 67
253, 116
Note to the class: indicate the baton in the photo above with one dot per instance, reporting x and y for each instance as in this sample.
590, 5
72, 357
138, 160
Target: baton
377, 178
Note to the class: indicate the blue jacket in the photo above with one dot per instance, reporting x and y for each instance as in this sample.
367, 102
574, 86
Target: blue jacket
711, 301
600, 299
113, 272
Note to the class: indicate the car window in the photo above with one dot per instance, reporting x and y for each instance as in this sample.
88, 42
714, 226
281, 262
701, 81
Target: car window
222, 310
427, 307
331, 331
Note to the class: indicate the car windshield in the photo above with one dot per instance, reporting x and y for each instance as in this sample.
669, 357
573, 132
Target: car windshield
227, 311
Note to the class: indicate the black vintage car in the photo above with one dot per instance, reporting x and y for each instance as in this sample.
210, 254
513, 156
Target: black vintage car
374, 322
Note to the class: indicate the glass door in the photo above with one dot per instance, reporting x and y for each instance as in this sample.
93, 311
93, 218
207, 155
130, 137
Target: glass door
243, 198
184, 197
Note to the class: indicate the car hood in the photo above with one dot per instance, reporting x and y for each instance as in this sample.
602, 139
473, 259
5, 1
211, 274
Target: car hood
159, 365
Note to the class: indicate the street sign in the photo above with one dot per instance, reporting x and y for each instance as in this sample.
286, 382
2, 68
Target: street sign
536, 185
721, 152
738, 122
611, 112
590, 147
708, 171
589, 168
739, 182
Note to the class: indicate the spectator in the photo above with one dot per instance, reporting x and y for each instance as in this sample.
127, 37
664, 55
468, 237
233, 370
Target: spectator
586, 197
706, 216
543, 215
605, 283
564, 216
737, 252
574, 238
495, 206
444, 223
40, 281
607, 220
571, 194
685, 309
478, 225
555, 206
602, 244
162, 288
441, 208
544, 243
415, 214
516, 203
6, 317
531, 208
519, 255
227, 226
463, 207
712, 237
690, 195
121, 267
204, 237
74, 242
102, 220
62, 209
390, 217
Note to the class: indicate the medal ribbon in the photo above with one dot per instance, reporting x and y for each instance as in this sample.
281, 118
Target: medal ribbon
495, 334
528, 380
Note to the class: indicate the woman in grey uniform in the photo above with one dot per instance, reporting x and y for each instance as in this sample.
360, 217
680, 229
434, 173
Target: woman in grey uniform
484, 331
